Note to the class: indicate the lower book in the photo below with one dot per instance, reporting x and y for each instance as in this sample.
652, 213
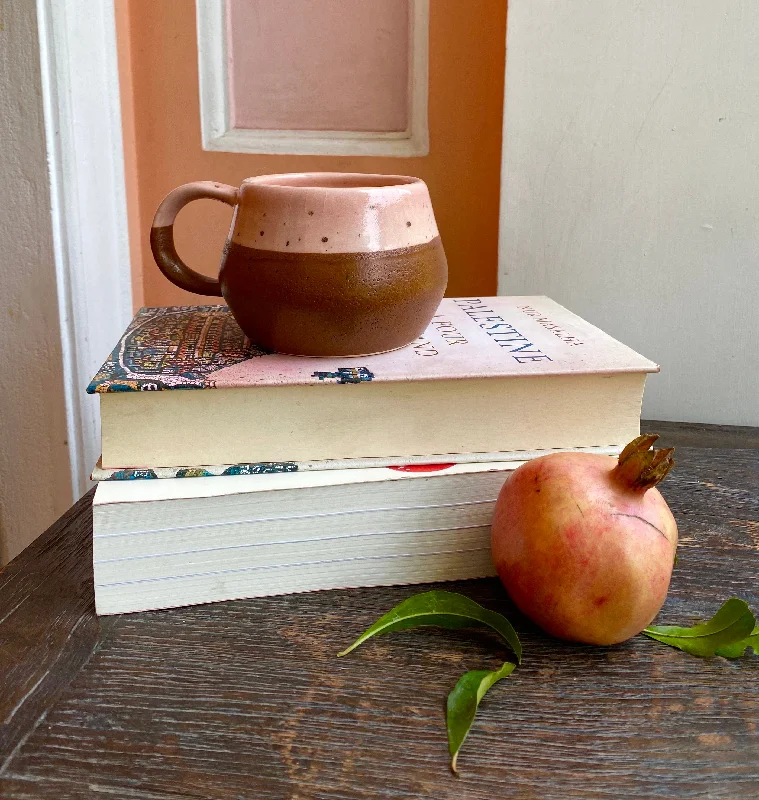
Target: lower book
177, 542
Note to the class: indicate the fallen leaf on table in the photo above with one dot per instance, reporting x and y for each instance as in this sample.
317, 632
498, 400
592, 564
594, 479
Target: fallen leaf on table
444, 610
731, 625
463, 702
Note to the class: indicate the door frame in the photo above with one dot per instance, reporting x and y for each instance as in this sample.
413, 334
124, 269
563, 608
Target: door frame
82, 109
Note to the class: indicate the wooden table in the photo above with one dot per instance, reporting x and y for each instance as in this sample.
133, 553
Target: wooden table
247, 700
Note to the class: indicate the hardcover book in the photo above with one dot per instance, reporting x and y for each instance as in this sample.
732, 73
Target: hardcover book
490, 375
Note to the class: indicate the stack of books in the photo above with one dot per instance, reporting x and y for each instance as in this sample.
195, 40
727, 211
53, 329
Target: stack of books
231, 472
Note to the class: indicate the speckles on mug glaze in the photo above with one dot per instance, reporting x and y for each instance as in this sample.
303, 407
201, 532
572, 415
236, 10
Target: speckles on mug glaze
389, 213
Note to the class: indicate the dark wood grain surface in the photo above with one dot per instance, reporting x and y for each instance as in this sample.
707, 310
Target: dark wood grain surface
247, 699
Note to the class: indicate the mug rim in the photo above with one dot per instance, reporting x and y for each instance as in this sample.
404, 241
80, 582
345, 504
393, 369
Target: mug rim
341, 181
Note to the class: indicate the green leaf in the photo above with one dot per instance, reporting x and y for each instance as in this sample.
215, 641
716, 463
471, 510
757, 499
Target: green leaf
443, 609
737, 649
731, 624
463, 702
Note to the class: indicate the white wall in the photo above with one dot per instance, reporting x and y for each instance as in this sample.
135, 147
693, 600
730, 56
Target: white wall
631, 185
35, 477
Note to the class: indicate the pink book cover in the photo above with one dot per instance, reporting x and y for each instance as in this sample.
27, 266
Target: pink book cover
202, 347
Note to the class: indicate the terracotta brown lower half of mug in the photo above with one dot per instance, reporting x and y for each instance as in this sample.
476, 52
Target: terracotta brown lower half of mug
334, 304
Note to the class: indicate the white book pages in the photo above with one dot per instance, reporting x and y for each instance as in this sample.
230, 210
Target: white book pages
315, 552
450, 491
302, 530
245, 583
275, 534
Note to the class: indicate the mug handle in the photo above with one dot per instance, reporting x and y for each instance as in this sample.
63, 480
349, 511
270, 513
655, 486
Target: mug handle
162, 234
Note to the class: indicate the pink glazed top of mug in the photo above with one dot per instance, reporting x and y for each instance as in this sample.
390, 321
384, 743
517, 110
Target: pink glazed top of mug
352, 211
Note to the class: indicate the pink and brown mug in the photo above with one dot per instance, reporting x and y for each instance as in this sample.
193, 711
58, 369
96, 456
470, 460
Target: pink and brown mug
319, 264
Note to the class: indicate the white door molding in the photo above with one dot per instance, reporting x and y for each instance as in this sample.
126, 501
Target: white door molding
217, 130
80, 88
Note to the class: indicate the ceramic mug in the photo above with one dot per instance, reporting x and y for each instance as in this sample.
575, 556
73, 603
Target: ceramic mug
319, 264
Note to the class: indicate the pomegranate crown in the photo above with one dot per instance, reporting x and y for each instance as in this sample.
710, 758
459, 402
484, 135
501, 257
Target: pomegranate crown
640, 466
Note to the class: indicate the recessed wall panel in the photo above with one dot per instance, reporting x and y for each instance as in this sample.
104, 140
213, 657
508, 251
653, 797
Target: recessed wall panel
319, 65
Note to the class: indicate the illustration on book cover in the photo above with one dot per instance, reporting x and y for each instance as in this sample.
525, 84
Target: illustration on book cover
174, 348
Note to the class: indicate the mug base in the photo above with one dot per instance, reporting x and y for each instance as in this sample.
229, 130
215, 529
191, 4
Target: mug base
354, 355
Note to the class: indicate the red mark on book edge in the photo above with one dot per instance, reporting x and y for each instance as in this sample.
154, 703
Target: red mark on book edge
422, 467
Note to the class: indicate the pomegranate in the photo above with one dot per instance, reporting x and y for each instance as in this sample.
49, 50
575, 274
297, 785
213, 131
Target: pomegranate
585, 544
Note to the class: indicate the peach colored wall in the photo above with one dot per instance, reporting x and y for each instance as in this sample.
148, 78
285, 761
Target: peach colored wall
330, 65
126, 87
161, 112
